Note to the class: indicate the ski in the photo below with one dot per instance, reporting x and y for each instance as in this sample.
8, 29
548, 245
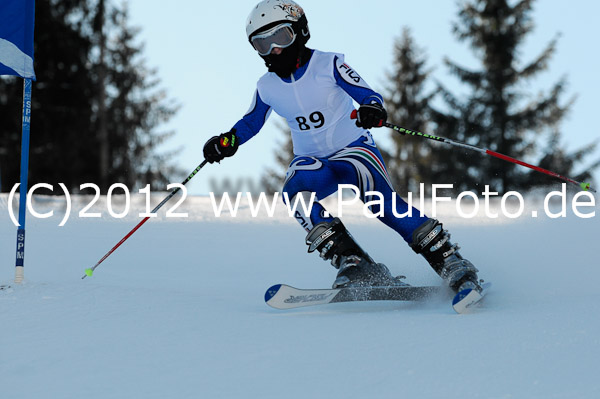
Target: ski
282, 296
465, 300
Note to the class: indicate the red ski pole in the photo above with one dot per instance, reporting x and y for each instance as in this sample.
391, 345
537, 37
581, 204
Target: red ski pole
90, 271
404, 131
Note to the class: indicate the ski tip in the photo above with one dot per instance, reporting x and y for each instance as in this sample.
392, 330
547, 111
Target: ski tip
271, 292
461, 295
465, 299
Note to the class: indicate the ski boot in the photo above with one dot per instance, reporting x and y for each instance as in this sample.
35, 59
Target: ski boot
355, 267
433, 242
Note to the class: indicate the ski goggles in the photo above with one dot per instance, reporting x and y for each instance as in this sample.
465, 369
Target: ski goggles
280, 36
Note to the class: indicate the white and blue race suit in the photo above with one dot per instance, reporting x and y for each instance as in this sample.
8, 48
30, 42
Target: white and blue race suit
329, 148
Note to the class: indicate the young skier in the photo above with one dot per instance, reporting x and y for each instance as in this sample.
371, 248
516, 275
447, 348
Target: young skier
314, 90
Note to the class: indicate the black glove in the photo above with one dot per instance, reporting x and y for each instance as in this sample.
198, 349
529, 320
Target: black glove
371, 115
221, 146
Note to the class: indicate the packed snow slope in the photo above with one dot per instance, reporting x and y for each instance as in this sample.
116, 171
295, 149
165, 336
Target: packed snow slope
178, 310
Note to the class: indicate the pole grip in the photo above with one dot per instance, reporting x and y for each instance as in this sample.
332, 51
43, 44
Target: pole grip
354, 114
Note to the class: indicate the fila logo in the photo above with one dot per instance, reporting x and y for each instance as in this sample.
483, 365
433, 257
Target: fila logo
344, 68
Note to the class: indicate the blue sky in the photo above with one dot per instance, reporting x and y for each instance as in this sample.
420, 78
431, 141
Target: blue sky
206, 63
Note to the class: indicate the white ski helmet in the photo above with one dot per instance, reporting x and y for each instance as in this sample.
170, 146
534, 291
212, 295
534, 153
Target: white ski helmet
270, 13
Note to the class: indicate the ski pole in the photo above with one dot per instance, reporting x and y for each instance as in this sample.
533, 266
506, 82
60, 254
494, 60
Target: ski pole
90, 271
404, 131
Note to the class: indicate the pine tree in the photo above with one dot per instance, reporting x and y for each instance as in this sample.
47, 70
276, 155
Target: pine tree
498, 114
135, 107
62, 102
65, 145
410, 161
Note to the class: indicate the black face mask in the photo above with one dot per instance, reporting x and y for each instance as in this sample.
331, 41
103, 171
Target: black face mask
290, 59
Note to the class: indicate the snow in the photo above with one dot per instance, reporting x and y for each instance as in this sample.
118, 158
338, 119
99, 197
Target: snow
178, 311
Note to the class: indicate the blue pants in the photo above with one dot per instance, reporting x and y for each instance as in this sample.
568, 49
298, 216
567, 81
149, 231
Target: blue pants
359, 164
